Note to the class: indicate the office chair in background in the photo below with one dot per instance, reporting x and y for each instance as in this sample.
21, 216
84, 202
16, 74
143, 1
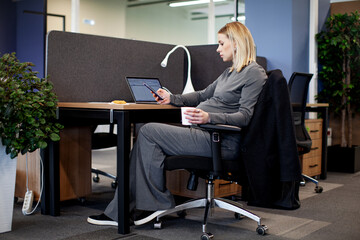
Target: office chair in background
102, 140
298, 89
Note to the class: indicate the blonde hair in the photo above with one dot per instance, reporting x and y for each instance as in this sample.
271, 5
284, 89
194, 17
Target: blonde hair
244, 52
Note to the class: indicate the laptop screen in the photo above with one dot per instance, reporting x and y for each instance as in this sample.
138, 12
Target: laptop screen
141, 93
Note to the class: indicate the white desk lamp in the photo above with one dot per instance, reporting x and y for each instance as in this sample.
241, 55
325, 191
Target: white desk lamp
188, 86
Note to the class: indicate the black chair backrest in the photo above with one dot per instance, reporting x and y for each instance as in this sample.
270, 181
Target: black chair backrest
298, 88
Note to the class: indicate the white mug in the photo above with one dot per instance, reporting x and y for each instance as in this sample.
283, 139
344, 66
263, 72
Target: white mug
185, 121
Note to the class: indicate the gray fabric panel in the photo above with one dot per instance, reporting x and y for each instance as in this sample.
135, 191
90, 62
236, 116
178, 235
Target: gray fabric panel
207, 65
93, 68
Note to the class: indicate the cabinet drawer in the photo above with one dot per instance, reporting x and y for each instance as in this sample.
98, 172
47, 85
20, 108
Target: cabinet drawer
224, 188
311, 166
176, 182
314, 127
315, 149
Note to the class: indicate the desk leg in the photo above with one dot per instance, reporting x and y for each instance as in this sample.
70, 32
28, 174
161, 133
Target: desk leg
324, 113
50, 198
123, 151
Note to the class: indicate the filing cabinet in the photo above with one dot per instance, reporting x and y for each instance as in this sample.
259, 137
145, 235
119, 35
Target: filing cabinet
177, 181
311, 162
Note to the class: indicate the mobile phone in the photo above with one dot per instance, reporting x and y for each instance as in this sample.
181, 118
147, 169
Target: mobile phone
153, 91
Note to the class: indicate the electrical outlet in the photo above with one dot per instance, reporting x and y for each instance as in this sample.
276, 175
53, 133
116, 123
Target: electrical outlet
28, 201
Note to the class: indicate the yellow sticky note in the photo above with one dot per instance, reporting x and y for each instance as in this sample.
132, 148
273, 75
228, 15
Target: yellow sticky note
119, 102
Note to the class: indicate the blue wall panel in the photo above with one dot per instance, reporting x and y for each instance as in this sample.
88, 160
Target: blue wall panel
270, 23
281, 31
324, 13
7, 26
300, 36
30, 34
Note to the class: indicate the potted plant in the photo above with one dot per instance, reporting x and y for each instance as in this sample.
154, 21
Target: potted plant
339, 56
27, 122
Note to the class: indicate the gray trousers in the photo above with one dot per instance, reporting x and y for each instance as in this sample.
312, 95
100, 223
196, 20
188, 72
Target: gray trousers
147, 178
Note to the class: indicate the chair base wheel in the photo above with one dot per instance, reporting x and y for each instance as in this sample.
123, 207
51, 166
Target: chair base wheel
318, 189
239, 216
158, 225
207, 236
82, 200
114, 184
182, 214
262, 229
96, 179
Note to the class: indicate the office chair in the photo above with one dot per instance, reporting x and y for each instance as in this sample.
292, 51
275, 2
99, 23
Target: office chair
298, 89
215, 167
210, 169
102, 140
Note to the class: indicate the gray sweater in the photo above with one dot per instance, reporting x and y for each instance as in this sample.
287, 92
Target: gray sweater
231, 98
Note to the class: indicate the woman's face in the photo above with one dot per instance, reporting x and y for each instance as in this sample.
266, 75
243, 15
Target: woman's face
225, 49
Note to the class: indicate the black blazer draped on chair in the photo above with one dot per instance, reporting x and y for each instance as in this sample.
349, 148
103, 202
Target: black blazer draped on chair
269, 149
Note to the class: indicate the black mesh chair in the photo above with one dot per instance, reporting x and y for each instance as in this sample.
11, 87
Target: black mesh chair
298, 88
101, 140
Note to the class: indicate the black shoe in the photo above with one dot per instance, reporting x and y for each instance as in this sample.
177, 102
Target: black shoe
102, 220
146, 216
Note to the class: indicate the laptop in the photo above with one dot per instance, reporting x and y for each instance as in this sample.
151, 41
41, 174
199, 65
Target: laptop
139, 92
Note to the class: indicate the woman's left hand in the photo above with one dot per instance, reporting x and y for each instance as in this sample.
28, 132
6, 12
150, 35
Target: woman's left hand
197, 116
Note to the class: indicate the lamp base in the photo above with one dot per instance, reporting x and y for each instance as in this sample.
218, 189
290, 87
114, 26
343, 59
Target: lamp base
188, 87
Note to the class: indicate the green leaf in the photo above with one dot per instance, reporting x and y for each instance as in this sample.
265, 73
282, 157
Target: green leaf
13, 154
50, 104
39, 133
42, 144
54, 137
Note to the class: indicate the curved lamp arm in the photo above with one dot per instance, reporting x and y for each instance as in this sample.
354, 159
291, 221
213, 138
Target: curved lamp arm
188, 86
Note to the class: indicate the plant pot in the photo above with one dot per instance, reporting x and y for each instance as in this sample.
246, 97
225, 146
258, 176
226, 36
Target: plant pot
7, 189
343, 159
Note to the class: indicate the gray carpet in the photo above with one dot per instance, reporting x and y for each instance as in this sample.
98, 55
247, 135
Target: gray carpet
331, 215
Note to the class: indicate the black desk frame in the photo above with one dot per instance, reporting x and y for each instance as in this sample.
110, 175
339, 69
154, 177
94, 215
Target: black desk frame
50, 199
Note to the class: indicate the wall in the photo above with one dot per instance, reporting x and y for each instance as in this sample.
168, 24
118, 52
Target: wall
7, 26
160, 23
345, 7
156, 22
280, 31
30, 37
109, 16
61, 7
300, 36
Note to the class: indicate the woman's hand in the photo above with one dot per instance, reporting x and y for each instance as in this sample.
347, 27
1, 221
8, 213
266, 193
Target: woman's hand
197, 116
164, 94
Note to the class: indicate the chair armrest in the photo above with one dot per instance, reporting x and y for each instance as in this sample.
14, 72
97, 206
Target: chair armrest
215, 131
220, 127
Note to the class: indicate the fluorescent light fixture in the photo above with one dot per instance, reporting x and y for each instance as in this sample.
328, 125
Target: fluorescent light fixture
188, 3
89, 22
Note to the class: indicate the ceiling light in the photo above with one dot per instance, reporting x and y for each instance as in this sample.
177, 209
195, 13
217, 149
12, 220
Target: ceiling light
188, 3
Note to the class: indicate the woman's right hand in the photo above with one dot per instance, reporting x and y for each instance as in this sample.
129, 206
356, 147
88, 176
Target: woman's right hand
164, 94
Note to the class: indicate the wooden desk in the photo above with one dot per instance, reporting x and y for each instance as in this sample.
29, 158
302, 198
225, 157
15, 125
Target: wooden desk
73, 114
323, 109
